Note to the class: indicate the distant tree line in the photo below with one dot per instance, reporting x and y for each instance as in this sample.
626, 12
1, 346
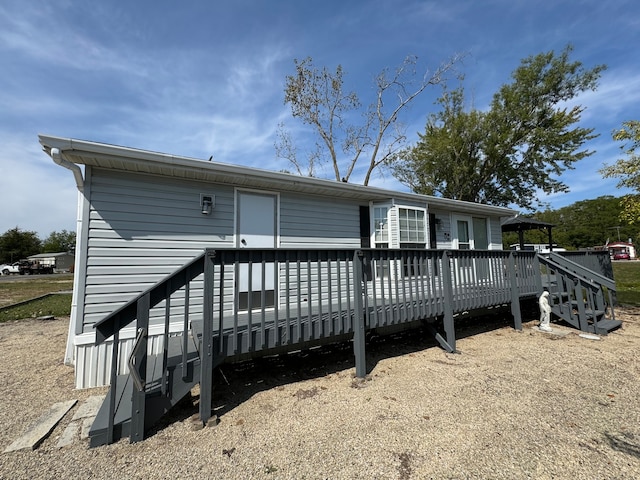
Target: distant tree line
17, 244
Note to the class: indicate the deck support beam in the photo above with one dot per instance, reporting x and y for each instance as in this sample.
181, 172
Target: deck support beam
207, 353
358, 325
439, 338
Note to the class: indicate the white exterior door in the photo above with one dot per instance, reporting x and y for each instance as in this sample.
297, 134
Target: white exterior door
471, 233
256, 228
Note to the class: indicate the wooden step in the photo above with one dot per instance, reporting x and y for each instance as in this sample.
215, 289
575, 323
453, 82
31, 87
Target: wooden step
179, 380
605, 326
98, 433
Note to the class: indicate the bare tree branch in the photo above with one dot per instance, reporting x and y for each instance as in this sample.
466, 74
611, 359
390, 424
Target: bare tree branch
317, 98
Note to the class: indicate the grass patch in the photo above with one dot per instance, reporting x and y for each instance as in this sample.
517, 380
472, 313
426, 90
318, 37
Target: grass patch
26, 288
19, 290
627, 277
58, 305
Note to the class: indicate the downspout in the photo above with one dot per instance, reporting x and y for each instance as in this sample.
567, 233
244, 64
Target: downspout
57, 157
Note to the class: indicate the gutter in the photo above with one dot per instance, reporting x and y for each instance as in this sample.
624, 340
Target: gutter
57, 157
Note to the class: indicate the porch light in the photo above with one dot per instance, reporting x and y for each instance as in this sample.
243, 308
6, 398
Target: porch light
206, 203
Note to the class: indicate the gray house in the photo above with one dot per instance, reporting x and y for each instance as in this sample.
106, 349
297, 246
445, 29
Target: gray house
143, 215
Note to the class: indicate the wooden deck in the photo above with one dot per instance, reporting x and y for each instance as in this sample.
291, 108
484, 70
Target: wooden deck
321, 297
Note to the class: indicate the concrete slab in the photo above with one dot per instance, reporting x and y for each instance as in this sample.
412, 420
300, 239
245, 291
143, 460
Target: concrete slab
69, 435
42, 427
86, 426
554, 331
89, 408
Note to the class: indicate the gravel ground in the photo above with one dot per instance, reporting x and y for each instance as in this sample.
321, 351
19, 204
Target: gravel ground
511, 405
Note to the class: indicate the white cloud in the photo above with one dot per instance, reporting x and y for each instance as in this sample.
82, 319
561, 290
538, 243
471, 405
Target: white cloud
615, 99
37, 195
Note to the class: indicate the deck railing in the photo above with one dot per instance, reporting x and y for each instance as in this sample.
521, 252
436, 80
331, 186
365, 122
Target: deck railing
246, 302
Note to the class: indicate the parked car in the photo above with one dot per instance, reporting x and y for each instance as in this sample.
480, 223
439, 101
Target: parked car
621, 256
10, 269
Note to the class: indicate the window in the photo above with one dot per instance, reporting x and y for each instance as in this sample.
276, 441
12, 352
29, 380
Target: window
464, 240
480, 235
412, 228
381, 225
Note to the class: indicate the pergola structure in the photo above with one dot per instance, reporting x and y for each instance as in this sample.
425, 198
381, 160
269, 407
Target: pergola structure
521, 224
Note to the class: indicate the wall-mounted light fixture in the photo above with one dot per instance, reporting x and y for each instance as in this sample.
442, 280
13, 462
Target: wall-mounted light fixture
207, 202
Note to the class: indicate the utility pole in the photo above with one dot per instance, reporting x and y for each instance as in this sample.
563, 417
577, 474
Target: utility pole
618, 229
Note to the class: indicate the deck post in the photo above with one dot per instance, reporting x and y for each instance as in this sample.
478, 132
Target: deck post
115, 348
206, 360
139, 396
515, 293
447, 290
358, 326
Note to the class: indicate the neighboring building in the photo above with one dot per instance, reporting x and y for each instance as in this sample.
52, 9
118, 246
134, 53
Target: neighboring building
621, 250
142, 215
61, 262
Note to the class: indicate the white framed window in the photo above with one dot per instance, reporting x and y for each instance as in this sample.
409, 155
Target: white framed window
412, 230
464, 234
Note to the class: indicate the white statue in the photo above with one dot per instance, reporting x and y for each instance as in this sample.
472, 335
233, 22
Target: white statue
545, 312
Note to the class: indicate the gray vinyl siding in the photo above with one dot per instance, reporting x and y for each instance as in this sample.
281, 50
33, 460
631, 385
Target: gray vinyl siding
313, 221
142, 228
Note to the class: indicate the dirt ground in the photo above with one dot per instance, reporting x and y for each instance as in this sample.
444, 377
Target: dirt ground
511, 404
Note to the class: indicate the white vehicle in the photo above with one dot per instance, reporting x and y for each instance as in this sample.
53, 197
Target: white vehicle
537, 247
9, 269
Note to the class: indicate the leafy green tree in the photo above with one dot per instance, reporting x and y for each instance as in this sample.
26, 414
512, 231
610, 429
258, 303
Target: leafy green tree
628, 170
445, 160
16, 244
511, 152
62, 241
346, 133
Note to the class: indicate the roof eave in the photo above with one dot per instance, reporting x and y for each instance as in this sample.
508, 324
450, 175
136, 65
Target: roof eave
131, 159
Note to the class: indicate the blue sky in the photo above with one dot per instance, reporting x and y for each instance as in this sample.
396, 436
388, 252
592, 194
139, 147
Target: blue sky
202, 78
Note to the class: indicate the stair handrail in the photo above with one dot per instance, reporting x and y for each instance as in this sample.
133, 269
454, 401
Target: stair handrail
582, 276
124, 315
573, 274
112, 324
133, 369
582, 271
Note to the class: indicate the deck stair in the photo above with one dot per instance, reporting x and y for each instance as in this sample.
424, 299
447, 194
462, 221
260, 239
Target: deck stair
162, 390
581, 297
155, 383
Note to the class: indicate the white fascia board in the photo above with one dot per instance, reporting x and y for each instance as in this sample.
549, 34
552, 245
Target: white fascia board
146, 161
